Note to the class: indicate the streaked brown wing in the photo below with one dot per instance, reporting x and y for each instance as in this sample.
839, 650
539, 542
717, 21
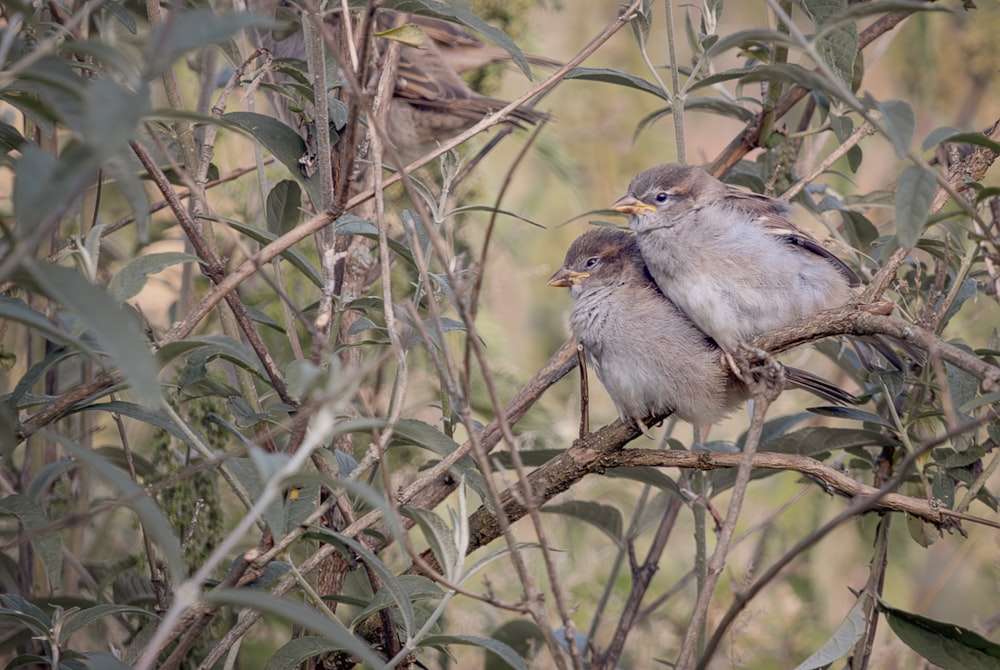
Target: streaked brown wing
772, 216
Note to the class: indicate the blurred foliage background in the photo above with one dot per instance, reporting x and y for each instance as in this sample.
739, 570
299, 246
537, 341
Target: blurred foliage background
117, 497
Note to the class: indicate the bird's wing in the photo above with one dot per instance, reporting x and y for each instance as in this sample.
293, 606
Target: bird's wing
772, 215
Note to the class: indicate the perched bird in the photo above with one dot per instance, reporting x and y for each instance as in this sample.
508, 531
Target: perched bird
731, 260
648, 354
431, 102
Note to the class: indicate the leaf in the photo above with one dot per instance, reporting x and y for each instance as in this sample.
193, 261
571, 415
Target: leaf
390, 582
300, 615
298, 650
810, 441
293, 256
791, 73
457, 14
111, 114
48, 546
940, 136
154, 523
417, 588
947, 645
838, 45
118, 333
284, 143
914, 195
603, 517
897, 115
440, 538
407, 34
649, 476
610, 76
19, 311
34, 191
75, 622
284, 207
840, 643
131, 279
504, 652
184, 31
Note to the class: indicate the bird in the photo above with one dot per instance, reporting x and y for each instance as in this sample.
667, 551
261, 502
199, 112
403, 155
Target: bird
731, 260
431, 102
651, 358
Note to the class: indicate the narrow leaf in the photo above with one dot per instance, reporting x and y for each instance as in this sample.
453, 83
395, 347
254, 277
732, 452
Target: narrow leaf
842, 641
944, 644
897, 115
914, 195
131, 279
48, 546
297, 613
119, 333
504, 652
153, 521
605, 518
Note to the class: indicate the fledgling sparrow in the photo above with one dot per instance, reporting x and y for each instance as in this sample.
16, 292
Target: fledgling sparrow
648, 354
431, 102
731, 260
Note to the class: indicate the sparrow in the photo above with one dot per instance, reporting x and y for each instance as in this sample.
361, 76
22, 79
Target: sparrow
651, 358
431, 102
731, 260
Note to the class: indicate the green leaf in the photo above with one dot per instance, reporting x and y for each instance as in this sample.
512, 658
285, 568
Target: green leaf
650, 476
502, 651
184, 31
939, 136
837, 45
296, 651
293, 256
914, 195
284, 143
390, 582
111, 113
407, 34
899, 121
944, 644
417, 587
131, 279
610, 76
842, 641
810, 441
119, 334
977, 139
133, 190
34, 195
791, 73
457, 14
78, 620
19, 311
284, 207
48, 546
603, 517
300, 615
154, 523
440, 538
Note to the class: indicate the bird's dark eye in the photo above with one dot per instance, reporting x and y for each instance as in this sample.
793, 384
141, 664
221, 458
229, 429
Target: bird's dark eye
591, 262
662, 197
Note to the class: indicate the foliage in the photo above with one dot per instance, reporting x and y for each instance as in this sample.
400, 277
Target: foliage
307, 432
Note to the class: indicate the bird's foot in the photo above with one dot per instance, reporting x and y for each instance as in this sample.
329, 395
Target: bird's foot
766, 373
640, 424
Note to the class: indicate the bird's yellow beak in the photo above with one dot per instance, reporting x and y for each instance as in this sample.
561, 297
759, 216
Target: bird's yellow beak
566, 277
629, 205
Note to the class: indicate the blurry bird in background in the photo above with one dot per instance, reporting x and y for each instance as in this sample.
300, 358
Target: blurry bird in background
431, 102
